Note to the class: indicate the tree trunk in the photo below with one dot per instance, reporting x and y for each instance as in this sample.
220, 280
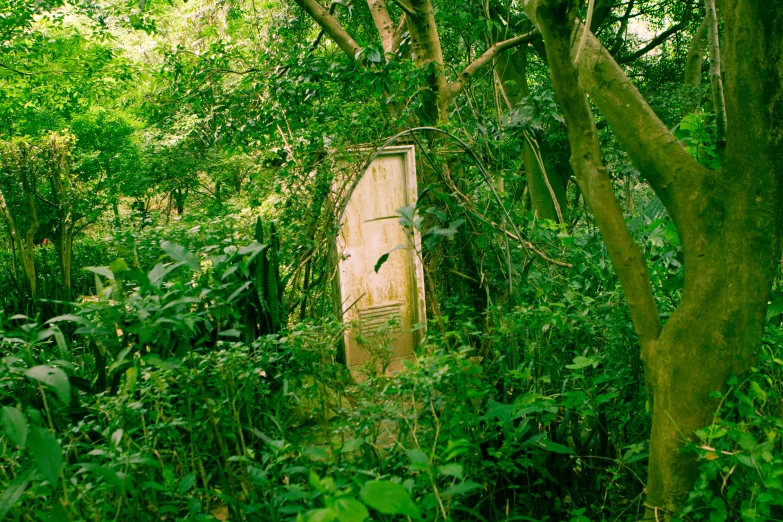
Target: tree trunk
729, 221
718, 100
12, 244
13, 232
19, 164
179, 199
64, 247
57, 149
512, 72
427, 54
693, 68
28, 258
383, 22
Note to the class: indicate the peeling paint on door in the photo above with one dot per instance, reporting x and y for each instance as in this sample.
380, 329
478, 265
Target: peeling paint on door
382, 307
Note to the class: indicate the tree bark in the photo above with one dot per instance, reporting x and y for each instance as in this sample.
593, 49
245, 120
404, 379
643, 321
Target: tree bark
512, 71
729, 221
693, 67
427, 54
383, 22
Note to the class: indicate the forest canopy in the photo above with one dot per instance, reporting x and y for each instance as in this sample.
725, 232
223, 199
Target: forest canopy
593, 230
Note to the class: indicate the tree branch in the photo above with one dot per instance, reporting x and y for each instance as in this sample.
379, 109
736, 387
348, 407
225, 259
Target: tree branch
618, 39
718, 101
331, 26
693, 62
383, 22
494, 50
653, 149
407, 9
556, 24
17, 71
601, 11
398, 31
658, 40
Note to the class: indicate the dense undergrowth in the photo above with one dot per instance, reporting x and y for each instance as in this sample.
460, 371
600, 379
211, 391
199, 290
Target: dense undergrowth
151, 400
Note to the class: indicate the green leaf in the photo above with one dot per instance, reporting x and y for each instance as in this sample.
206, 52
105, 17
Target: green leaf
554, 447
760, 394
187, 482
322, 515
47, 453
718, 515
774, 309
14, 425
154, 359
373, 55
61, 343
15, 490
419, 460
116, 437
180, 254
69, 317
118, 265
100, 270
451, 470
58, 513
111, 476
158, 272
389, 498
385, 257
315, 481
130, 379
253, 249
462, 488
580, 362
53, 377
447, 232
381, 261
350, 510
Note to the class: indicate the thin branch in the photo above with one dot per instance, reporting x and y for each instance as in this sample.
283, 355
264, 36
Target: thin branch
654, 150
398, 32
693, 62
601, 11
17, 71
658, 40
37, 73
407, 9
331, 26
588, 23
280, 71
591, 175
618, 39
458, 84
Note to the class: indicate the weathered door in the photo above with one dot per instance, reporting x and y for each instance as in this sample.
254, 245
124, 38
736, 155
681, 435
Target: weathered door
383, 307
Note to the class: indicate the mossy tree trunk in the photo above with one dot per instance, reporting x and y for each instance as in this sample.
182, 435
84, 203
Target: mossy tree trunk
729, 220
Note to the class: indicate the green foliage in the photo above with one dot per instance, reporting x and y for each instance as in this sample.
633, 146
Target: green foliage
190, 371
697, 132
741, 452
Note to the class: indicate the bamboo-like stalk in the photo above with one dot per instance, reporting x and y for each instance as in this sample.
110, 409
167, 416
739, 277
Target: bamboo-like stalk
718, 100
